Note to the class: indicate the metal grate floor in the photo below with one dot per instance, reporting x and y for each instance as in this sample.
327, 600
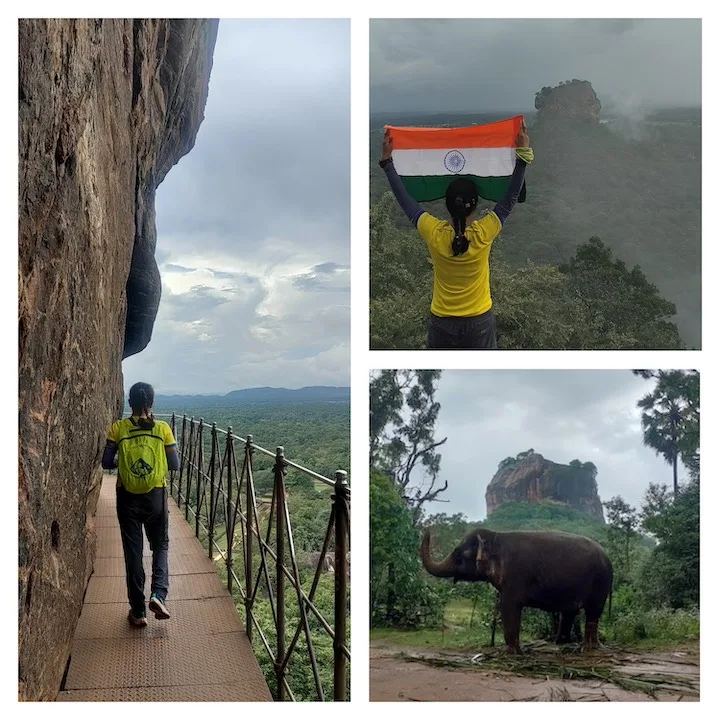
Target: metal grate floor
201, 654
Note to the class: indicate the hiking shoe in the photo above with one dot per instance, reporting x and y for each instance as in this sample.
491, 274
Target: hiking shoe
158, 607
137, 621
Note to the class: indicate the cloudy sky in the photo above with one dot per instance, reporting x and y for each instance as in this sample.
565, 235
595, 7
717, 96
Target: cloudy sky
475, 65
563, 415
253, 224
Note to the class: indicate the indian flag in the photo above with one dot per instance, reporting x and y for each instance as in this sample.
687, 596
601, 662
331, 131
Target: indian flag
429, 159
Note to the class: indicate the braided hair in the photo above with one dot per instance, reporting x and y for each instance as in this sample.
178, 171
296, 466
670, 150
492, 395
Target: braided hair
461, 199
141, 399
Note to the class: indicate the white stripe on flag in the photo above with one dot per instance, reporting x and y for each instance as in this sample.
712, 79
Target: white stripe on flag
482, 162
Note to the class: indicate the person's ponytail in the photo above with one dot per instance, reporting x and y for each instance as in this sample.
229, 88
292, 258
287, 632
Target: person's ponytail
460, 243
461, 199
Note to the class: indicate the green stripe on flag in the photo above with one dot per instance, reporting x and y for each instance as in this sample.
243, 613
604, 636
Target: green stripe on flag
432, 187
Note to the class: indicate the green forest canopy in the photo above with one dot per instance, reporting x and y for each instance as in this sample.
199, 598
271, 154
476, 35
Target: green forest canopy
317, 436
605, 254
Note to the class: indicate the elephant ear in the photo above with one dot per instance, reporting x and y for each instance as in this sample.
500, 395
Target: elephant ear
481, 551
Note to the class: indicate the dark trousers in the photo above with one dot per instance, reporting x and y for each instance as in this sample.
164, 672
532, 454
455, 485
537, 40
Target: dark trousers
134, 512
462, 333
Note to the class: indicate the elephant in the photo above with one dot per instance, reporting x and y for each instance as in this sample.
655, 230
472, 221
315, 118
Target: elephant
552, 571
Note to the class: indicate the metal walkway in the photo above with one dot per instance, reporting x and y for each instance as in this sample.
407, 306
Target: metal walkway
200, 654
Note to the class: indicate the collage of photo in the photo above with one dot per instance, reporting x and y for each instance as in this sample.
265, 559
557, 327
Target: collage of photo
526, 525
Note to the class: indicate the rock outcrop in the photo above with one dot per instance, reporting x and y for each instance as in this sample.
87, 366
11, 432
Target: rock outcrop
574, 99
531, 478
106, 107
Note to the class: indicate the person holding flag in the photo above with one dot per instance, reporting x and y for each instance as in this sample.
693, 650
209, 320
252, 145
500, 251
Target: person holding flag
462, 165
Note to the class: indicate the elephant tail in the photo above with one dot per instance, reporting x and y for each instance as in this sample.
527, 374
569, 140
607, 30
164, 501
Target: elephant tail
610, 606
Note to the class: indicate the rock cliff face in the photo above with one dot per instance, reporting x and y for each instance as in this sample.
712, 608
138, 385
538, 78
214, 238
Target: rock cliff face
106, 107
532, 478
574, 99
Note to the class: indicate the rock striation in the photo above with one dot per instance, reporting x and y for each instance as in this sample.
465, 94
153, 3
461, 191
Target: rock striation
574, 99
531, 478
106, 108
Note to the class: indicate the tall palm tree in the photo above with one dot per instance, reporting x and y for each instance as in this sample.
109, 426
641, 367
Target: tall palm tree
663, 418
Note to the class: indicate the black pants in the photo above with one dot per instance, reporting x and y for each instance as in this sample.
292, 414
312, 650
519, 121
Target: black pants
134, 512
462, 333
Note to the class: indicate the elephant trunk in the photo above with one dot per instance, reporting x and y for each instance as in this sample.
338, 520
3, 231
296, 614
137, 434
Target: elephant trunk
442, 569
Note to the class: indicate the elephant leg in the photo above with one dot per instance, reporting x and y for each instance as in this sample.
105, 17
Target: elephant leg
510, 613
591, 629
565, 630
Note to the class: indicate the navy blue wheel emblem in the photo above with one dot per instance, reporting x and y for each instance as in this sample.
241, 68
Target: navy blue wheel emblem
455, 161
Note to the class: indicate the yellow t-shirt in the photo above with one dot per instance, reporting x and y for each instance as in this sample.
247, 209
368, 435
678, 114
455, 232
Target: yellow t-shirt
461, 287
121, 429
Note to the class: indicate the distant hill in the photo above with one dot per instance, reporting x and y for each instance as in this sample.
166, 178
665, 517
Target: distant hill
251, 396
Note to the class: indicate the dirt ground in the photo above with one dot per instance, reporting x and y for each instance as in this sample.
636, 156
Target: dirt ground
406, 675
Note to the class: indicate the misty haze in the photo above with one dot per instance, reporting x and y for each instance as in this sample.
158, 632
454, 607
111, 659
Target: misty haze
605, 252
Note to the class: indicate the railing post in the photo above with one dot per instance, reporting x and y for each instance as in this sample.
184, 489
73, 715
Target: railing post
189, 472
342, 523
172, 472
229, 529
211, 513
199, 477
279, 469
250, 510
183, 448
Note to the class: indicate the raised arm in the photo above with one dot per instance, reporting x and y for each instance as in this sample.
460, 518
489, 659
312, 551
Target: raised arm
524, 157
407, 203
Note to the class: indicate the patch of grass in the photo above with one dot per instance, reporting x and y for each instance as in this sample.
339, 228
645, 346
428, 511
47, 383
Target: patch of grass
661, 644
451, 639
660, 626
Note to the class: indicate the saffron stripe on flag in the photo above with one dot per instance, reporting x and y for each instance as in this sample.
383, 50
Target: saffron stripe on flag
493, 135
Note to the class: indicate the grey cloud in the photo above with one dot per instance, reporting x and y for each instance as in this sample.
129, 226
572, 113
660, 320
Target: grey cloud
325, 277
328, 267
494, 64
613, 26
172, 267
193, 305
584, 414
262, 199
272, 155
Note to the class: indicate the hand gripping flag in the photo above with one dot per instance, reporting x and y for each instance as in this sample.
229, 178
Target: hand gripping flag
429, 159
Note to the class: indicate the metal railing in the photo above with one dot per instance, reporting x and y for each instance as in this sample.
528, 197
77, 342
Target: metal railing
218, 493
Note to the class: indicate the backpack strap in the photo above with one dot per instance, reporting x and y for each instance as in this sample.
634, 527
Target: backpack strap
145, 433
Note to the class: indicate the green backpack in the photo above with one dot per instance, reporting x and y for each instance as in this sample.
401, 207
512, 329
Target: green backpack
142, 463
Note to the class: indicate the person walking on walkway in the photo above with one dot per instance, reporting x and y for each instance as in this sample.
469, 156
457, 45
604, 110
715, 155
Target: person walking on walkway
145, 450
461, 317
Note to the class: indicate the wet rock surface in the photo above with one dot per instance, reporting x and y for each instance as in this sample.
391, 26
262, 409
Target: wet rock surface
106, 107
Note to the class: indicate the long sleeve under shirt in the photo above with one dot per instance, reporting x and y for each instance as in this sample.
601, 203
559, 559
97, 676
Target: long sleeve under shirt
461, 286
